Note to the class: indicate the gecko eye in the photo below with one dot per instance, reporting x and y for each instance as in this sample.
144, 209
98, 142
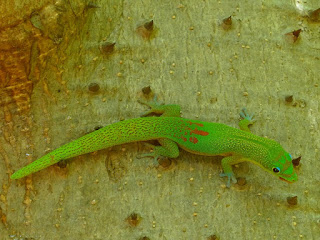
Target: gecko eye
276, 169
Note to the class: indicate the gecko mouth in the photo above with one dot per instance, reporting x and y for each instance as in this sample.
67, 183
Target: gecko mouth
284, 180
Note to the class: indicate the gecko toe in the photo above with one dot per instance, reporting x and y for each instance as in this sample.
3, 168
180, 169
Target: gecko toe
231, 177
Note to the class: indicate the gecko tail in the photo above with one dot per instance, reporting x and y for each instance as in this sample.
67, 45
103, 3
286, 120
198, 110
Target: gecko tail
41, 163
115, 134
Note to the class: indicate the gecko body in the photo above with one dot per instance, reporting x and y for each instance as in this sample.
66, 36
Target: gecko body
172, 132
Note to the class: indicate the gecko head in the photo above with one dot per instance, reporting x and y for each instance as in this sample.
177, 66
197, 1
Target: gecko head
282, 167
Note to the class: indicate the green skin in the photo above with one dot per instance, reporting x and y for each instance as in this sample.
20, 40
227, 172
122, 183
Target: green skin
171, 131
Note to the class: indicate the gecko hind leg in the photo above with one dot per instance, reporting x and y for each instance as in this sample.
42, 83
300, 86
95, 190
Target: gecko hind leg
169, 110
168, 149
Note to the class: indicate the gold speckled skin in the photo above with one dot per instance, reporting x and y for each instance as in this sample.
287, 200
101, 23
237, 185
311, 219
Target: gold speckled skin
194, 136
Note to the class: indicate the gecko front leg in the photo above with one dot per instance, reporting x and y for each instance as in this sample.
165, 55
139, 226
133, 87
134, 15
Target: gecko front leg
227, 163
246, 121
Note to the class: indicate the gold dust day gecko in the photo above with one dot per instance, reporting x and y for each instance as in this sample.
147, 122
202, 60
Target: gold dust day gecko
172, 132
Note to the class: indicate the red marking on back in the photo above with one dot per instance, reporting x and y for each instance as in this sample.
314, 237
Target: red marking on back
198, 124
193, 140
182, 137
199, 132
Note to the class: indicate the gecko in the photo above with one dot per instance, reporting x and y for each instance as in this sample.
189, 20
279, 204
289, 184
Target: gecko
174, 132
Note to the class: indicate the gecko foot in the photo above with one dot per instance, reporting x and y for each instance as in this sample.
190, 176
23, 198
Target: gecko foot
245, 115
230, 176
150, 155
154, 106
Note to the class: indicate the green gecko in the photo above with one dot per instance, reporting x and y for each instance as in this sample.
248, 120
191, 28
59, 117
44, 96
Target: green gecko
172, 132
